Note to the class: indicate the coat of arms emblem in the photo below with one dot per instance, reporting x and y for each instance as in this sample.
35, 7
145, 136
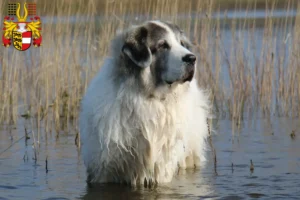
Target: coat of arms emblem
22, 33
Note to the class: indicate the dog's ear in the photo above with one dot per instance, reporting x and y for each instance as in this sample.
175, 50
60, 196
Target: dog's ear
135, 47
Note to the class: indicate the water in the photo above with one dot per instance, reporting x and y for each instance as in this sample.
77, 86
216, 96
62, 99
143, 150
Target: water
276, 158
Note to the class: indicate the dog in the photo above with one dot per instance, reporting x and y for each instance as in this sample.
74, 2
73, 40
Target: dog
143, 116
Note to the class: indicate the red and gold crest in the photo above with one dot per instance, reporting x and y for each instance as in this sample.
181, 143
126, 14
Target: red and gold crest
22, 33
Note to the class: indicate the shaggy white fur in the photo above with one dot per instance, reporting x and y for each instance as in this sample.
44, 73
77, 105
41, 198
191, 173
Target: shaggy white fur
128, 137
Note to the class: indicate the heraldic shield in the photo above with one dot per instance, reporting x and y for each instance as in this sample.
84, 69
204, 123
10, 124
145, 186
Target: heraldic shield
22, 40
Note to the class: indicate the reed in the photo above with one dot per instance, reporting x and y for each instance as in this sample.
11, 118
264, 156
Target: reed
246, 80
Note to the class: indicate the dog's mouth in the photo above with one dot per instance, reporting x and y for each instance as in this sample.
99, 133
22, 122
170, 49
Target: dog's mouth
169, 82
189, 76
186, 79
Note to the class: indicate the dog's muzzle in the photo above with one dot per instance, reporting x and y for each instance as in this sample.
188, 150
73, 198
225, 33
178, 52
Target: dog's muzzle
189, 61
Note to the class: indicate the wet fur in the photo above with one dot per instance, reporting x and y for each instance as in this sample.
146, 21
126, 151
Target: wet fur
136, 130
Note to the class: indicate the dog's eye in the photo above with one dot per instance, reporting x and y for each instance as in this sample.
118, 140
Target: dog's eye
186, 45
162, 44
153, 50
182, 44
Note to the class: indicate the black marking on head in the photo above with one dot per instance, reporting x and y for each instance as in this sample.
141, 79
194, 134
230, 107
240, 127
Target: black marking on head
179, 34
174, 28
160, 50
156, 33
136, 49
159, 66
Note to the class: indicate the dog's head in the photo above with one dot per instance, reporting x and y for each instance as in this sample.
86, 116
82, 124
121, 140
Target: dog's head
162, 48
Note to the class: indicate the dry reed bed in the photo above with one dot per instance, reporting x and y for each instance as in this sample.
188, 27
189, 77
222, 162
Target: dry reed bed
46, 84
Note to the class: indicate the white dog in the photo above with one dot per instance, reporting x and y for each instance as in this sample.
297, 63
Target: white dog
143, 115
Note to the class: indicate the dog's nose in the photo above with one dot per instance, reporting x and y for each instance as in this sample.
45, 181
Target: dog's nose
189, 58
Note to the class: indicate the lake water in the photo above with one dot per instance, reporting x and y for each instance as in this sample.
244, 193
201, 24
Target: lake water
275, 155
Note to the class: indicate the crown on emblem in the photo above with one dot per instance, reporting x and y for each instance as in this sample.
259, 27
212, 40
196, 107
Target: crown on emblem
23, 18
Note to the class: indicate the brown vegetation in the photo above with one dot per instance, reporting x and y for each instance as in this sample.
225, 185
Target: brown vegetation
46, 84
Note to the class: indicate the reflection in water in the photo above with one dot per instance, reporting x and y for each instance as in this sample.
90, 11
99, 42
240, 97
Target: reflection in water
188, 184
275, 155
